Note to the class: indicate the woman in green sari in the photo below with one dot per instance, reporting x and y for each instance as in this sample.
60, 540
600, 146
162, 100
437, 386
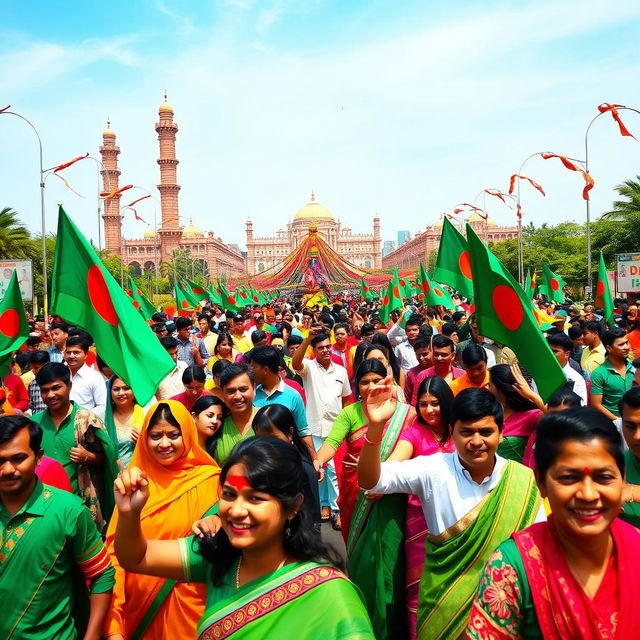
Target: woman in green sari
123, 418
267, 573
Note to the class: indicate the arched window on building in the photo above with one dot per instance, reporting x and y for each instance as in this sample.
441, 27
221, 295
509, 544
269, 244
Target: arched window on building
367, 263
260, 267
149, 266
135, 269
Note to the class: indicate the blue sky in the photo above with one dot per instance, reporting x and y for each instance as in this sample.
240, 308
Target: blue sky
398, 108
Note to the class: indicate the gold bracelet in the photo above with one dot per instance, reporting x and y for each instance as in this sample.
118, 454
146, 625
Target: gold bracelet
373, 444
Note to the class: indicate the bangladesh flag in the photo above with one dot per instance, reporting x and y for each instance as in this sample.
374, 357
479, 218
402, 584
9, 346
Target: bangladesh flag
84, 293
604, 299
392, 299
504, 315
365, 291
196, 292
553, 284
229, 301
14, 328
404, 284
434, 294
214, 294
453, 266
184, 303
530, 285
140, 301
243, 297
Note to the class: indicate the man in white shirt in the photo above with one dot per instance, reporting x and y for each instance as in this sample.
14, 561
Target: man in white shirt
403, 340
472, 500
172, 384
562, 345
327, 388
88, 387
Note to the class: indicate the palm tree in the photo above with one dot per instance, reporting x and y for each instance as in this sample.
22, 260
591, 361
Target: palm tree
625, 209
14, 236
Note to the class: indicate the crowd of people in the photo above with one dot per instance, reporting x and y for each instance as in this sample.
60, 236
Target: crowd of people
469, 506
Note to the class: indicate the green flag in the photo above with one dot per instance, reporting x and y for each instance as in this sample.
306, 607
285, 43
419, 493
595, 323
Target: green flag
392, 299
604, 299
453, 266
84, 293
140, 301
184, 303
403, 283
196, 292
365, 291
214, 294
553, 284
435, 295
14, 328
504, 314
530, 285
229, 301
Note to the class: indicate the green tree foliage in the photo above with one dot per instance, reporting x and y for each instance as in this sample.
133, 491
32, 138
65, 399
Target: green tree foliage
14, 236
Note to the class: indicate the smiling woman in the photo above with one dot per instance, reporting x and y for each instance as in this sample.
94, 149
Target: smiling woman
574, 576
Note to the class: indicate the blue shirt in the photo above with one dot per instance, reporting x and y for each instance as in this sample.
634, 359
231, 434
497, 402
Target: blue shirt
287, 397
55, 355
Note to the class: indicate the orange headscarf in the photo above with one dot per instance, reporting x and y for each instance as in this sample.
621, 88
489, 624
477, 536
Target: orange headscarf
179, 495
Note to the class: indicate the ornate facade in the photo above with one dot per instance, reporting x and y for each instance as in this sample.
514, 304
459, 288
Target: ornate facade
158, 245
363, 250
419, 248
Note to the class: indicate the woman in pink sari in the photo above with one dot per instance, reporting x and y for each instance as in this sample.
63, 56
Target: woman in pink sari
575, 575
429, 433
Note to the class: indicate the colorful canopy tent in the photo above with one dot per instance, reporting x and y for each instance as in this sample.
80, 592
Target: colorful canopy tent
315, 266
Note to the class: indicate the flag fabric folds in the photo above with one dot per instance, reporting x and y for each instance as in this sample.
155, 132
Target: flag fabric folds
553, 285
504, 314
603, 299
84, 293
140, 301
391, 300
453, 266
14, 328
184, 302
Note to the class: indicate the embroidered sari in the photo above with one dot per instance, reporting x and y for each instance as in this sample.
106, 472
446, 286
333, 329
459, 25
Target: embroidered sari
528, 591
518, 428
146, 606
455, 558
376, 533
305, 600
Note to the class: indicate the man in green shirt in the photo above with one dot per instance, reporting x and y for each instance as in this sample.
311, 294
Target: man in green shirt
49, 548
630, 414
79, 441
614, 376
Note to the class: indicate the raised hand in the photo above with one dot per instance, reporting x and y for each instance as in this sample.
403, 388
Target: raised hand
131, 490
381, 402
209, 525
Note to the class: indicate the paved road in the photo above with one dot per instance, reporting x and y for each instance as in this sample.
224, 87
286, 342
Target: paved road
334, 538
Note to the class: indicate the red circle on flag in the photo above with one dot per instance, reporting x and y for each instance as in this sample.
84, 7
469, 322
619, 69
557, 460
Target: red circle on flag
10, 323
402, 283
426, 287
136, 304
100, 296
198, 290
464, 262
396, 292
421, 296
555, 285
599, 303
365, 289
438, 292
600, 288
386, 300
184, 304
231, 300
508, 307
139, 292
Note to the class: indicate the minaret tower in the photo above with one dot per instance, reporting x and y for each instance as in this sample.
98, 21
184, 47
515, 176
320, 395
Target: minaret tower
170, 232
377, 243
110, 174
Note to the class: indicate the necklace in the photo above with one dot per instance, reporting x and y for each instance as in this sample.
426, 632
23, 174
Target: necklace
284, 561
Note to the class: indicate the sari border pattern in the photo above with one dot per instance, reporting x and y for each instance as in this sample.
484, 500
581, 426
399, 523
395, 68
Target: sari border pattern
268, 602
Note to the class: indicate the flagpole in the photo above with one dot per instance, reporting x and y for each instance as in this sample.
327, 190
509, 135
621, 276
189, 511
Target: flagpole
42, 215
588, 289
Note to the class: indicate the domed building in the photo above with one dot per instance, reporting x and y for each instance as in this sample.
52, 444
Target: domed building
158, 245
363, 250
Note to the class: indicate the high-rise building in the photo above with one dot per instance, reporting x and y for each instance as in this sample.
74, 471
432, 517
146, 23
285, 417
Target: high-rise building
388, 246
403, 236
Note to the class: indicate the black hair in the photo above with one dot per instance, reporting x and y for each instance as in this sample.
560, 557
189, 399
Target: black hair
503, 380
33, 341
426, 331
440, 342
575, 332
280, 417
367, 327
40, 357
10, 425
473, 353
610, 336
457, 315
159, 316
219, 366
194, 372
203, 316
258, 336
565, 395
223, 336
422, 343
157, 327
380, 340
561, 340
266, 356
22, 359
294, 339
437, 387
63, 326
342, 325
168, 342
163, 412
583, 425
448, 329
473, 404
593, 326
202, 404
115, 377
631, 398
78, 341
368, 366
327, 318
414, 319
183, 322
321, 337
234, 370
273, 467
53, 371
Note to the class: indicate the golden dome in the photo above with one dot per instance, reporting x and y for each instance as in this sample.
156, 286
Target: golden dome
491, 223
439, 223
165, 106
313, 211
108, 132
191, 231
150, 234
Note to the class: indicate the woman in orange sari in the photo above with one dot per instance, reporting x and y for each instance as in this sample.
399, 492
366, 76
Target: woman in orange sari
184, 486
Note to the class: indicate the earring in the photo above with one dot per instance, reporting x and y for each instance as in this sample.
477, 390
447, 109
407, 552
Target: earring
287, 531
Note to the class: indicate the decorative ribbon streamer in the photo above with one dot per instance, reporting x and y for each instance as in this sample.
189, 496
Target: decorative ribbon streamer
613, 108
5, 108
519, 212
138, 200
66, 184
573, 167
136, 216
109, 196
478, 210
512, 183
496, 193
60, 167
